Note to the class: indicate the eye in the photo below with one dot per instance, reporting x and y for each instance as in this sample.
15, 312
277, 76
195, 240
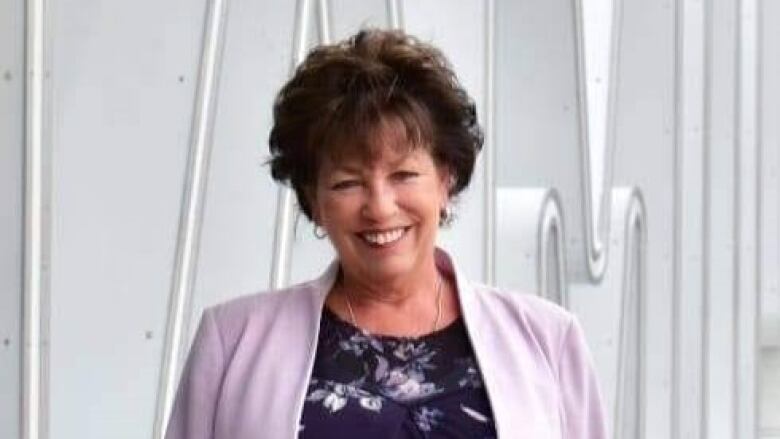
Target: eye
405, 175
345, 184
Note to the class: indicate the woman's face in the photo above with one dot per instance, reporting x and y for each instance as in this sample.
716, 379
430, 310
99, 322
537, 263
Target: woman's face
382, 217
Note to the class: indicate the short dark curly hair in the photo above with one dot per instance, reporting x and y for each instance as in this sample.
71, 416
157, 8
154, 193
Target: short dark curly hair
341, 94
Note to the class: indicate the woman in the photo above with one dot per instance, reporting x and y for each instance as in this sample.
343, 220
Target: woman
376, 136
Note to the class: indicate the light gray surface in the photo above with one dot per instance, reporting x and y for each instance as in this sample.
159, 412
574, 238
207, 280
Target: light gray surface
689, 289
769, 136
644, 157
770, 174
123, 88
11, 211
123, 77
237, 236
719, 223
537, 133
347, 16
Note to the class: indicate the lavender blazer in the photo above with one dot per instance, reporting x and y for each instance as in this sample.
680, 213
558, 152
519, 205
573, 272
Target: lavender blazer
248, 370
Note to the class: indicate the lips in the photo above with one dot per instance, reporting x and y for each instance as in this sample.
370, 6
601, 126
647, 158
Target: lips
383, 237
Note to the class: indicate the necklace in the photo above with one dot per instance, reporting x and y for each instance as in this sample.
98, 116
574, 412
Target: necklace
435, 321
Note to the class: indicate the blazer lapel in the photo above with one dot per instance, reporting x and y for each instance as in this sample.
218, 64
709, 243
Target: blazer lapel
501, 371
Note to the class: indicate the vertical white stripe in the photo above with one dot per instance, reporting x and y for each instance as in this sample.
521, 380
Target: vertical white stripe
323, 20
395, 14
689, 199
747, 291
193, 202
37, 229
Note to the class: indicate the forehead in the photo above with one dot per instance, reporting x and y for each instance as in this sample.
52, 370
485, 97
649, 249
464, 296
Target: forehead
387, 144
385, 157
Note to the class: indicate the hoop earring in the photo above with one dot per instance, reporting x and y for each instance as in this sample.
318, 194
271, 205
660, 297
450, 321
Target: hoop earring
445, 215
319, 232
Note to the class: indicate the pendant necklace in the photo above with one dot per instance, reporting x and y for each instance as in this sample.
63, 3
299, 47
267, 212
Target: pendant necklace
435, 321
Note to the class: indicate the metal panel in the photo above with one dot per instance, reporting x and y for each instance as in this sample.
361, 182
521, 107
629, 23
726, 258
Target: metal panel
720, 260
629, 399
11, 212
537, 120
191, 214
530, 253
644, 157
600, 33
238, 245
613, 316
769, 216
688, 331
348, 16
123, 88
747, 291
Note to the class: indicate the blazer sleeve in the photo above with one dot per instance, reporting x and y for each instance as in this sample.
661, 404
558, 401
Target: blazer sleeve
192, 416
583, 414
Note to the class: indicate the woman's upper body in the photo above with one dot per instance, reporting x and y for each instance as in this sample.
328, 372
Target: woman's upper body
376, 136
251, 362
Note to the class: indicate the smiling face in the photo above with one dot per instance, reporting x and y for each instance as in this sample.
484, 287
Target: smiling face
382, 215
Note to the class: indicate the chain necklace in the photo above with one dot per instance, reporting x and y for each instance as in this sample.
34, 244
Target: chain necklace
435, 321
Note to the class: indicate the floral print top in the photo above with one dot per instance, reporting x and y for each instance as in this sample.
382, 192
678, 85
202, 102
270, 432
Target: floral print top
382, 387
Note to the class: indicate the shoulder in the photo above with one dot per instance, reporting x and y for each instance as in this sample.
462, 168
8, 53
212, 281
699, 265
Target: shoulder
541, 324
522, 307
263, 302
258, 313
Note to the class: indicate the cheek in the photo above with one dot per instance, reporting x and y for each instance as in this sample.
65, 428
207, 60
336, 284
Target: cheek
335, 211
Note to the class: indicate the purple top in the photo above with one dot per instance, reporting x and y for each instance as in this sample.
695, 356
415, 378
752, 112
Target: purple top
395, 387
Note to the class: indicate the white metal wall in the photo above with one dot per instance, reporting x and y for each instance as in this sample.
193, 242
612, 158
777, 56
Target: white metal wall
655, 217
768, 133
11, 194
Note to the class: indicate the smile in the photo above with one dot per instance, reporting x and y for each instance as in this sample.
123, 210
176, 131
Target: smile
384, 237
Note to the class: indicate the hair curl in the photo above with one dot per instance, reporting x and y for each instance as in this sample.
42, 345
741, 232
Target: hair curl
342, 94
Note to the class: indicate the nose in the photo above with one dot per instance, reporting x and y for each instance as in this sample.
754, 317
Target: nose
380, 203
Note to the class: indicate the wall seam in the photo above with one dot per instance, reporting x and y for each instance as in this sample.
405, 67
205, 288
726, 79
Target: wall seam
677, 238
759, 210
706, 160
489, 153
737, 221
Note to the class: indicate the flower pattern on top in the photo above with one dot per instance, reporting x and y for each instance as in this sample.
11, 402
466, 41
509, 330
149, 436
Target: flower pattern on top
334, 396
430, 382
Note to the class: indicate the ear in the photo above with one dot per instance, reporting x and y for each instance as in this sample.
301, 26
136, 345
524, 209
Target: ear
311, 198
447, 180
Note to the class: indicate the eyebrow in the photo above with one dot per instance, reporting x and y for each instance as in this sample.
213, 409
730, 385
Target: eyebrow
355, 169
348, 169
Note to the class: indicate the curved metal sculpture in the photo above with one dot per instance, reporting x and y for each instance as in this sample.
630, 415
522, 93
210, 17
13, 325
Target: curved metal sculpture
531, 226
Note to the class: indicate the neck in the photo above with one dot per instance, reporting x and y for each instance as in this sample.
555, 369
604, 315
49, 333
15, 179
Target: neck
408, 307
394, 293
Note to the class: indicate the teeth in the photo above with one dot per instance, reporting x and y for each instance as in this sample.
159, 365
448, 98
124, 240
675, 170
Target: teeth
382, 238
